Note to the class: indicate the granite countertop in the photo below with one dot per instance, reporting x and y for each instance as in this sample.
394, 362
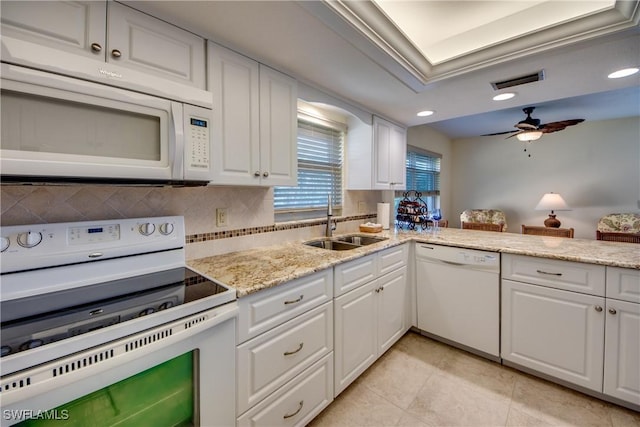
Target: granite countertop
264, 267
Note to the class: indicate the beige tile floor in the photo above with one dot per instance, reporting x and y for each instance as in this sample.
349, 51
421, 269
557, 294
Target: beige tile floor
421, 382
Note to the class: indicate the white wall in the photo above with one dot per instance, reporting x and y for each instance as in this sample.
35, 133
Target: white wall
432, 140
595, 166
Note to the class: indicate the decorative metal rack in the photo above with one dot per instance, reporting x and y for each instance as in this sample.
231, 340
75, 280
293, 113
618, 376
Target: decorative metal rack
412, 211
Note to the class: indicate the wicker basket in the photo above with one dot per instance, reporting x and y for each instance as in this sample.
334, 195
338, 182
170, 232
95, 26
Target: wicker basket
370, 228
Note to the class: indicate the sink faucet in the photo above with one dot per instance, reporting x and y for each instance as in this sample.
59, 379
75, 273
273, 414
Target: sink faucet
330, 225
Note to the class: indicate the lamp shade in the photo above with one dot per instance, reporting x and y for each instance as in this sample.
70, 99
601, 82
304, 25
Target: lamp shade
529, 135
552, 202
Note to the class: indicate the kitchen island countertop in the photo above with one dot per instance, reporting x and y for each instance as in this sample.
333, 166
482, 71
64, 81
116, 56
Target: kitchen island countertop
252, 270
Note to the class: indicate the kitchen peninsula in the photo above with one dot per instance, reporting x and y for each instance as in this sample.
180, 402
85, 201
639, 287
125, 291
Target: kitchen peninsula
264, 267
333, 313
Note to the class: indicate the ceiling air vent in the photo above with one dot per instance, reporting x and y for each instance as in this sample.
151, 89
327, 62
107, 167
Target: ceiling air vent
517, 81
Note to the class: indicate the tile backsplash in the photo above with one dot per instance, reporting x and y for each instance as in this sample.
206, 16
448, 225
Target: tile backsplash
249, 211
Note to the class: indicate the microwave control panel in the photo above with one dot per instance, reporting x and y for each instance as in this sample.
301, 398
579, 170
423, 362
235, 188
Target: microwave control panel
199, 140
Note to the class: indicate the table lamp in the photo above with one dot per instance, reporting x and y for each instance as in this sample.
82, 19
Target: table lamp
552, 202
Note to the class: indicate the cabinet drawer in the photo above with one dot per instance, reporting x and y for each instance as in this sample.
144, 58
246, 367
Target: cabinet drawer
623, 284
353, 274
275, 357
567, 275
297, 402
266, 309
392, 258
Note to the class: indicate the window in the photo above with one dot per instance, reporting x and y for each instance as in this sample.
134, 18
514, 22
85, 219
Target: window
423, 175
319, 172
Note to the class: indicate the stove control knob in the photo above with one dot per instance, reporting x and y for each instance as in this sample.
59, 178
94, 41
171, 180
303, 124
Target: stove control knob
31, 344
147, 229
4, 350
4, 242
29, 239
165, 305
146, 311
166, 228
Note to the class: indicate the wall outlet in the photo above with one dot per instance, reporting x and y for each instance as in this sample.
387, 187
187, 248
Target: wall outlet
221, 217
361, 207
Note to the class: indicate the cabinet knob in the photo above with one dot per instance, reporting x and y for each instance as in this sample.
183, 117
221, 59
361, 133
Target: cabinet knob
598, 308
96, 47
265, 174
116, 53
256, 173
612, 310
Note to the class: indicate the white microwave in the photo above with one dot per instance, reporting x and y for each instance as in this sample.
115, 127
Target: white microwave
59, 128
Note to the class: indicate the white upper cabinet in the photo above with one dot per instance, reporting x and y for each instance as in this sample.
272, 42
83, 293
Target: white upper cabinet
139, 41
376, 155
108, 32
72, 26
255, 121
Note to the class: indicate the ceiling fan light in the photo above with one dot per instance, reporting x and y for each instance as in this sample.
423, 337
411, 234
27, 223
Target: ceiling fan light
531, 135
623, 73
504, 96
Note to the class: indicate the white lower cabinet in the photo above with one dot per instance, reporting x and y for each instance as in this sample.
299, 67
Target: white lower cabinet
555, 332
622, 337
370, 318
298, 402
285, 354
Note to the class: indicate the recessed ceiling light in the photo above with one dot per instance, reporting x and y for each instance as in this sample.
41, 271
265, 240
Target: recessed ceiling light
425, 113
623, 73
504, 96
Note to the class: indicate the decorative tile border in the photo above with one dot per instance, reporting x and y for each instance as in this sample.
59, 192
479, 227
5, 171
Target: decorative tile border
204, 237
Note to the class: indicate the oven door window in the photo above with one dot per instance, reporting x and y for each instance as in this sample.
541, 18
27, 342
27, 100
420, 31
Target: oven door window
164, 395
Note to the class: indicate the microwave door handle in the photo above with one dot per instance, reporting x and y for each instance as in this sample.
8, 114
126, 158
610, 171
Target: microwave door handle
176, 142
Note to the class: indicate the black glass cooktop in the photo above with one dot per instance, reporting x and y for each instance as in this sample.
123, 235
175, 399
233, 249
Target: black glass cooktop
42, 319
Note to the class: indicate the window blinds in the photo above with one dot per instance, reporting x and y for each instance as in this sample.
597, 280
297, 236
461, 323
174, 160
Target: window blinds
319, 170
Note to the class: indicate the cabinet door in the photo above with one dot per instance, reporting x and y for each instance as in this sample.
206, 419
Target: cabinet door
559, 333
278, 128
381, 150
398, 158
71, 26
622, 351
355, 347
390, 153
391, 294
234, 84
139, 41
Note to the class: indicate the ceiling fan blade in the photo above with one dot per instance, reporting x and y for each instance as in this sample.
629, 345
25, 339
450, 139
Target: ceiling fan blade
500, 133
558, 126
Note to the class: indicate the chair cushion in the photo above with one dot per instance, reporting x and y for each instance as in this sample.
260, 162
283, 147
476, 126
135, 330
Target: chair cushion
620, 223
492, 216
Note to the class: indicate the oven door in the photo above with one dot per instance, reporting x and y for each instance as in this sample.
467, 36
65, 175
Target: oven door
180, 373
56, 126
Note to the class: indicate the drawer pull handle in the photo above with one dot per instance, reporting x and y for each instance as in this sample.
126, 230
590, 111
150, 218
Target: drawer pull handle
300, 405
612, 311
598, 308
289, 353
549, 274
294, 301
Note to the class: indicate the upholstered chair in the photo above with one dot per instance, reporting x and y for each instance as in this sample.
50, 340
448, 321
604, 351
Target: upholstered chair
619, 227
484, 219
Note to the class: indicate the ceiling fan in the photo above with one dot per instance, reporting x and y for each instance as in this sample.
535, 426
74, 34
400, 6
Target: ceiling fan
530, 129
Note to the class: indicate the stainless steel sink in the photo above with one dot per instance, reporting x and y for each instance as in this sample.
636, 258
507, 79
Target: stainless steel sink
362, 240
344, 243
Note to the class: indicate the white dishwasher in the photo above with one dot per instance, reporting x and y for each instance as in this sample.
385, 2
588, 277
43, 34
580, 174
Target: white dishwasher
458, 297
